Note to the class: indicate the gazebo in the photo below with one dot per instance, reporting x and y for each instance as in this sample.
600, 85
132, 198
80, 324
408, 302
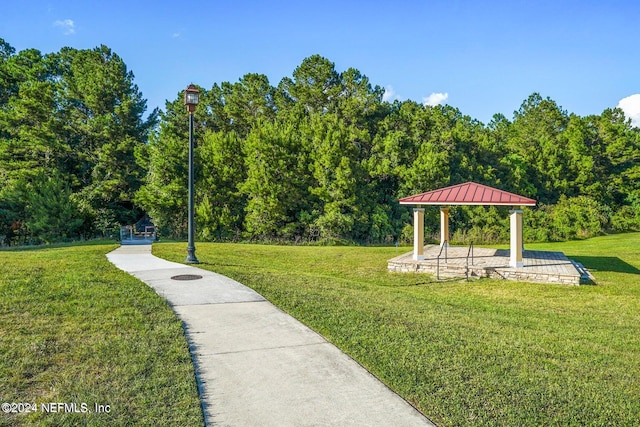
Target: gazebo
469, 193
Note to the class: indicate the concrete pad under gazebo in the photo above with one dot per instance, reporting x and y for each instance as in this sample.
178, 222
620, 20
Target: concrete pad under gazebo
541, 266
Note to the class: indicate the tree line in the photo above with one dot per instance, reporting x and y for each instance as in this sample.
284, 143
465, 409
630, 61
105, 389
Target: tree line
320, 157
70, 123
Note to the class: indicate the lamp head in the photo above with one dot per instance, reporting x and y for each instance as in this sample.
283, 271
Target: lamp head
191, 95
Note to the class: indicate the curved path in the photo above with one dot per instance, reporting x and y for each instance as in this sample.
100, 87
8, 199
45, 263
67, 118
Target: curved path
255, 364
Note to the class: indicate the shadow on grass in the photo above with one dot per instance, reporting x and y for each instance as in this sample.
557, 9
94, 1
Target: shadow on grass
605, 263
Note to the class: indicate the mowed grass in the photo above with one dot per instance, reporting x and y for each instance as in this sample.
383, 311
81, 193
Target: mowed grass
75, 329
481, 353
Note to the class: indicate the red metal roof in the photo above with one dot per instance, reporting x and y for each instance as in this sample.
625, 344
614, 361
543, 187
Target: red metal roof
468, 193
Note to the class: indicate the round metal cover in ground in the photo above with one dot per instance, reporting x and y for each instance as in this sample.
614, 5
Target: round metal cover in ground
186, 277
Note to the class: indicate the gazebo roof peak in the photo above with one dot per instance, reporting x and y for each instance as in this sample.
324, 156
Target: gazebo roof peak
469, 193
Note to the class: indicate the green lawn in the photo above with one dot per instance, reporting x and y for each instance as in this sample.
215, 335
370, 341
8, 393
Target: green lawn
75, 329
480, 353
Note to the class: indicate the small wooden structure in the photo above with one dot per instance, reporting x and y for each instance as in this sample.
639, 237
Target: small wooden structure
134, 235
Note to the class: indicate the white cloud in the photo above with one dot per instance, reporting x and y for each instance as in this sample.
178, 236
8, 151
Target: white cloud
631, 107
390, 94
67, 25
436, 98
175, 35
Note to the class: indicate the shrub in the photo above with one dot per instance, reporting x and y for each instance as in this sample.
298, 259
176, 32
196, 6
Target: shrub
625, 219
536, 227
577, 217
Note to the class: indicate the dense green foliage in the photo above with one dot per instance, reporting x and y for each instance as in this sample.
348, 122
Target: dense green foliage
75, 329
69, 125
321, 157
480, 353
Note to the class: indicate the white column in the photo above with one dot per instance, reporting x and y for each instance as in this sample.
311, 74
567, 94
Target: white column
444, 226
515, 259
418, 234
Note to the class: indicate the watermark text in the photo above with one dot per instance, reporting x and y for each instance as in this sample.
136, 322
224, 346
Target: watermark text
55, 407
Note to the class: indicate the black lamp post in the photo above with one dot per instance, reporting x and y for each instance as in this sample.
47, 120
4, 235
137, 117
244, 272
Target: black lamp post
191, 100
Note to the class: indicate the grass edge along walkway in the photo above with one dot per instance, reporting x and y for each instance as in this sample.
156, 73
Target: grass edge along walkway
486, 352
75, 329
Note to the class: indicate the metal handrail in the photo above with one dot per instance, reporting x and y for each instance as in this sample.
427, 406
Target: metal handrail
470, 251
443, 246
126, 231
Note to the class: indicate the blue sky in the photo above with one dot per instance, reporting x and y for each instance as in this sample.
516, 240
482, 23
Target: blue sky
483, 57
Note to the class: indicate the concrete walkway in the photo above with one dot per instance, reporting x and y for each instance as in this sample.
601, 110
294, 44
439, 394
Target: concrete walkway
255, 364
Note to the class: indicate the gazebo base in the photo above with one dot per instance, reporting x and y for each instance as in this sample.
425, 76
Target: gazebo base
539, 266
